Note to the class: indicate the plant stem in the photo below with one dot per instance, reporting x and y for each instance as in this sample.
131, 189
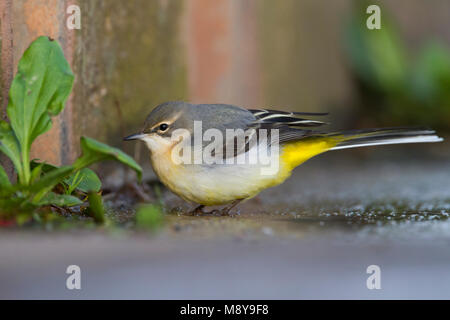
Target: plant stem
26, 166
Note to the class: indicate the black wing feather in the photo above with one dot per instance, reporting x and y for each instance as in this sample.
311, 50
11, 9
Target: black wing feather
291, 125
291, 119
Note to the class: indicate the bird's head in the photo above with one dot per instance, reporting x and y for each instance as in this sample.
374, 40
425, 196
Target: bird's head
169, 121
160, 125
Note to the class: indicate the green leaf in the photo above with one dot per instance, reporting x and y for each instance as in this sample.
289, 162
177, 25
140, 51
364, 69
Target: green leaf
6, 188
36, 172
46, 167
48, 181
10, 146
94, 151
39, 90
61, 200
96, 208
52, 178
4, 180
86, 181
14, 204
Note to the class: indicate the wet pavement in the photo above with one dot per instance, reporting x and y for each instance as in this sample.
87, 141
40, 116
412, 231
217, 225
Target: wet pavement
312, 237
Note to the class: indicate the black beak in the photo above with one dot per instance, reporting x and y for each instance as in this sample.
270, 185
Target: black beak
135, 136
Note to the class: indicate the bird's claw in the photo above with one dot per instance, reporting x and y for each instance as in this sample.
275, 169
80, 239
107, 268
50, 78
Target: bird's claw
216, 212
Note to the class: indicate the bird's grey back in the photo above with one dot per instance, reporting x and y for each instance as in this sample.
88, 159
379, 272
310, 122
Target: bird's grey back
218, 116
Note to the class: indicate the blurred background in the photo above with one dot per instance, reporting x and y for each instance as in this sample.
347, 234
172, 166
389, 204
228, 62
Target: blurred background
293, 55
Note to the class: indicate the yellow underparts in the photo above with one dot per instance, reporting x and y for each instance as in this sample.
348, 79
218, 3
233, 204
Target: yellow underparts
295, 153
212, 187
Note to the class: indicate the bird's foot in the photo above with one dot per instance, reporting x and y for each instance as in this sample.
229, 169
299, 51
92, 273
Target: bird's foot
227, 210
198, 211
224, 212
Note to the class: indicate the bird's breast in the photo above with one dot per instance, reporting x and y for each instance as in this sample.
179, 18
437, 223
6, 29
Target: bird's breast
212, 184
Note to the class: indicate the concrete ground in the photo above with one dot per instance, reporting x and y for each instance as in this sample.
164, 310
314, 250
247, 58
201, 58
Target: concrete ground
312, 237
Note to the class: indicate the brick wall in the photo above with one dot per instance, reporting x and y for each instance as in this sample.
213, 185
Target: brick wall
127, 57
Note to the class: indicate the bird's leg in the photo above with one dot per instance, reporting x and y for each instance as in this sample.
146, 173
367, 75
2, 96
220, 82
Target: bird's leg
197, 211
226, 211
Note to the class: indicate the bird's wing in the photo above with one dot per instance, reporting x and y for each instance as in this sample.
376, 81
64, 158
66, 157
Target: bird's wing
289, 124
291, 119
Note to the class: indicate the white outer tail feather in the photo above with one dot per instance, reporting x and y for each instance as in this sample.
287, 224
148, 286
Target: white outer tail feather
417, 139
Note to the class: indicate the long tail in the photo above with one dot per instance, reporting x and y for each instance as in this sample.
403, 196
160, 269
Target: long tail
374, 137
298, 151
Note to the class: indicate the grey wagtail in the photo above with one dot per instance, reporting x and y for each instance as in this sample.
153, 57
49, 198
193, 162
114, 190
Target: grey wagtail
228, 182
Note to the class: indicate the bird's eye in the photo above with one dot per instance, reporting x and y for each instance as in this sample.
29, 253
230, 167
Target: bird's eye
163, 127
